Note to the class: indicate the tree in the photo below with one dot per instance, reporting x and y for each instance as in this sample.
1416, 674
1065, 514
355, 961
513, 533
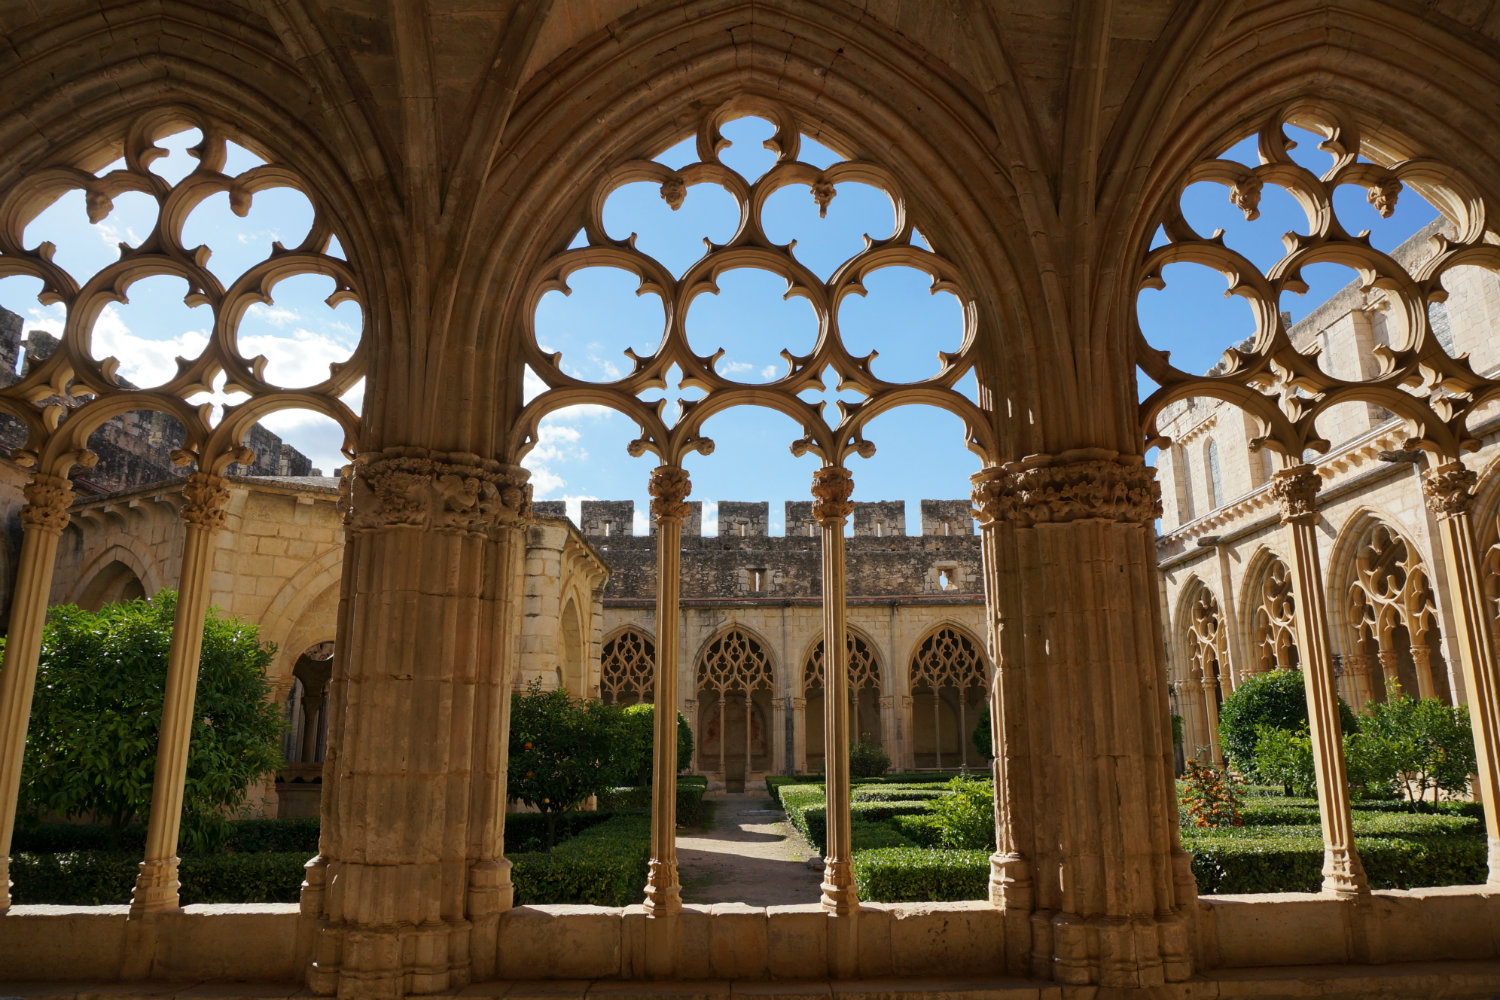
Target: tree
1276, 698
1285, 758
1411, 746
634, 744
560, 751
96, 717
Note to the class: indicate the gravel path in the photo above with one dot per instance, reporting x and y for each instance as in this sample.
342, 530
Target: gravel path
751, 855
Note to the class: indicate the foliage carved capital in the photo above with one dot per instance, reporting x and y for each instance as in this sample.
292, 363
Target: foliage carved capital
669, 488
1080, 485
444, 491
992, 496
1295, 491
831, 488
206, 497
47, 502
1449, 489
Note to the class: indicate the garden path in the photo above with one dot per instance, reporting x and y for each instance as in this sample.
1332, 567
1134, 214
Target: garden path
751, 854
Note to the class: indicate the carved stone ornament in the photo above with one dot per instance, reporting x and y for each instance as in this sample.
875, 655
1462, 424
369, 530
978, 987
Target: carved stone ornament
669, 488
1080, 485
47, 502
831, 488
1295, 490
438, 490
992, 496
1448, 489
206, 496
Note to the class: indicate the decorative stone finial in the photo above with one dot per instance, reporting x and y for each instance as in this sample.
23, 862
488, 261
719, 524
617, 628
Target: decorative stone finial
823, 192
669, 487
674, 191
831, 488
206, 496
1295, 489
1246, 197
47, 502
1448, 489
1383, 196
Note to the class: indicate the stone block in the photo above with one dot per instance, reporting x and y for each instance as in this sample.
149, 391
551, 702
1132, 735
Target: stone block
957, 939
737, 941
1288, 928
797, 941
559, 942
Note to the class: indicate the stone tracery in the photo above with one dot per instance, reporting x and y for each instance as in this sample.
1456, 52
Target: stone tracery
947, 680
1392, 613
734, 669
1273, 636
627, 668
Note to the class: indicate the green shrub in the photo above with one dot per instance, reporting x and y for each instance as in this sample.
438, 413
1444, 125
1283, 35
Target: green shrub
633, 743
867, 759
526, 833
62, 838
982, 739
92, 878
807, 812
690, 791
913, 874
868, 835
1210, 796
273, 836
1276, 698
1412, 747
966, 814
96, 717
604, 865
1284, 757
893, 793
1292, 861
922, 829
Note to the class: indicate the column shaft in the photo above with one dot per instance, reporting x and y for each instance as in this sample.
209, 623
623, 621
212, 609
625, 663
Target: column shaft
156, 886
44, 517
1296, 488
1448, 491
669, 489
832, 488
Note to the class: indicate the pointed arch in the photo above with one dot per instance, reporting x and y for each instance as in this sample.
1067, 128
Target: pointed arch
734, 680
948, 687
128, 554
627, 666
1268, 614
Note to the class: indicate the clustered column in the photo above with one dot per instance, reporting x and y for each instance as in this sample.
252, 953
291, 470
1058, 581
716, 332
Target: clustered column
43, 519
669, 488
156, 887
1296, 490
1449, 494
831, 489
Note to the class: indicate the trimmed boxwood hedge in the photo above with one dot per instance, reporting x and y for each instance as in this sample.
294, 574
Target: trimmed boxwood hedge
91, 878
776, 782
915, 875
690, 791
604, 865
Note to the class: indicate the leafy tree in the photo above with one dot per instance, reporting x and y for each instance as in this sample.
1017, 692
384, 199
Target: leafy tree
1413, 746
634, 744
1284, 757
965, 817
981, 738
560, 751
96, 717
1276, 698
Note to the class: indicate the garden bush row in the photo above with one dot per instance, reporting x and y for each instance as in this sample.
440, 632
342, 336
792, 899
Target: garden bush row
244, 836
903, 874
91, 878
806, 807
776, 782
1293, 861
604, 865
690, 791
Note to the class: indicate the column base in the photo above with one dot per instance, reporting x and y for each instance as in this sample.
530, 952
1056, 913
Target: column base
377, 962
663, 891
1139, 952
156, 887
839, 894
1343, 874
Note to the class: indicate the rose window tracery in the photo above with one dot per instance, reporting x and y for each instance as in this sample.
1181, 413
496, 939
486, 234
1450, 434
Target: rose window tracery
217, 306
816, 354
627, 668
1288, 388
1273, 635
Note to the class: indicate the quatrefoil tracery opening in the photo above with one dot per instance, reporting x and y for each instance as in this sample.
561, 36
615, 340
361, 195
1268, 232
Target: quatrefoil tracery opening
823, 303
217, 335
1289, 387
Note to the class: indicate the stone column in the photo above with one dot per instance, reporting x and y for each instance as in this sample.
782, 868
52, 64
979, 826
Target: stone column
399, 793
1448, 491
799, 735
1390, 662
490, 891
831, 489
1113, 889
43, 519
1010, 882
203, 515
1211, 716
1421, 658
669, 489
1296, 490
1357, 666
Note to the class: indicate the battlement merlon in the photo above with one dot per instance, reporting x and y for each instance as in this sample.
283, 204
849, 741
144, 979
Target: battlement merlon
751, 519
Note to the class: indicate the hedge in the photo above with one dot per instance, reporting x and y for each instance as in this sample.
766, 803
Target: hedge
690, 791
526, 832
1293, 862
776, 782
868, 836
245, 836
91, 878
915, 875
605, 865
812, 822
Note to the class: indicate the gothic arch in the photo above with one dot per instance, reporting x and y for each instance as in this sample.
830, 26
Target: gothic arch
572, 650
866, 692
734, 684
128, 552
286, 605
1200, 636
947, 685
1267, 615
627, 666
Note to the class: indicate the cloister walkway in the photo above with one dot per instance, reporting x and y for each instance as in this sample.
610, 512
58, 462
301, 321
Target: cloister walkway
751, 855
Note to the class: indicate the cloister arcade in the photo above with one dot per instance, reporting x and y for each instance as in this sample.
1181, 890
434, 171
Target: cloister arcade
458, 159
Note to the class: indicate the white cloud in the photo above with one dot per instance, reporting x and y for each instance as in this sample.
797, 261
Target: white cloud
277, 316
557, 444
544, 481
710, 517
142, 361
575, 506
735, 367
770, 371
641, 523
296, 359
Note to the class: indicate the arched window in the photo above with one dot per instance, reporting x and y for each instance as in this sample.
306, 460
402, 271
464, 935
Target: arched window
864, 697
627, 668
1392, 614
734, 708
1215, 475
1273, 633
948, 689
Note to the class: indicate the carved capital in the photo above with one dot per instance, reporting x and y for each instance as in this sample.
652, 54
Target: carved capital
206, 497
1081, 485
831, 488
452, 491
669, 487
1448, 489
993, 496
47, 502
1295, 490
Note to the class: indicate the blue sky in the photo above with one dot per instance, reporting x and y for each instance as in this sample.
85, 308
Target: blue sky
581, 453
